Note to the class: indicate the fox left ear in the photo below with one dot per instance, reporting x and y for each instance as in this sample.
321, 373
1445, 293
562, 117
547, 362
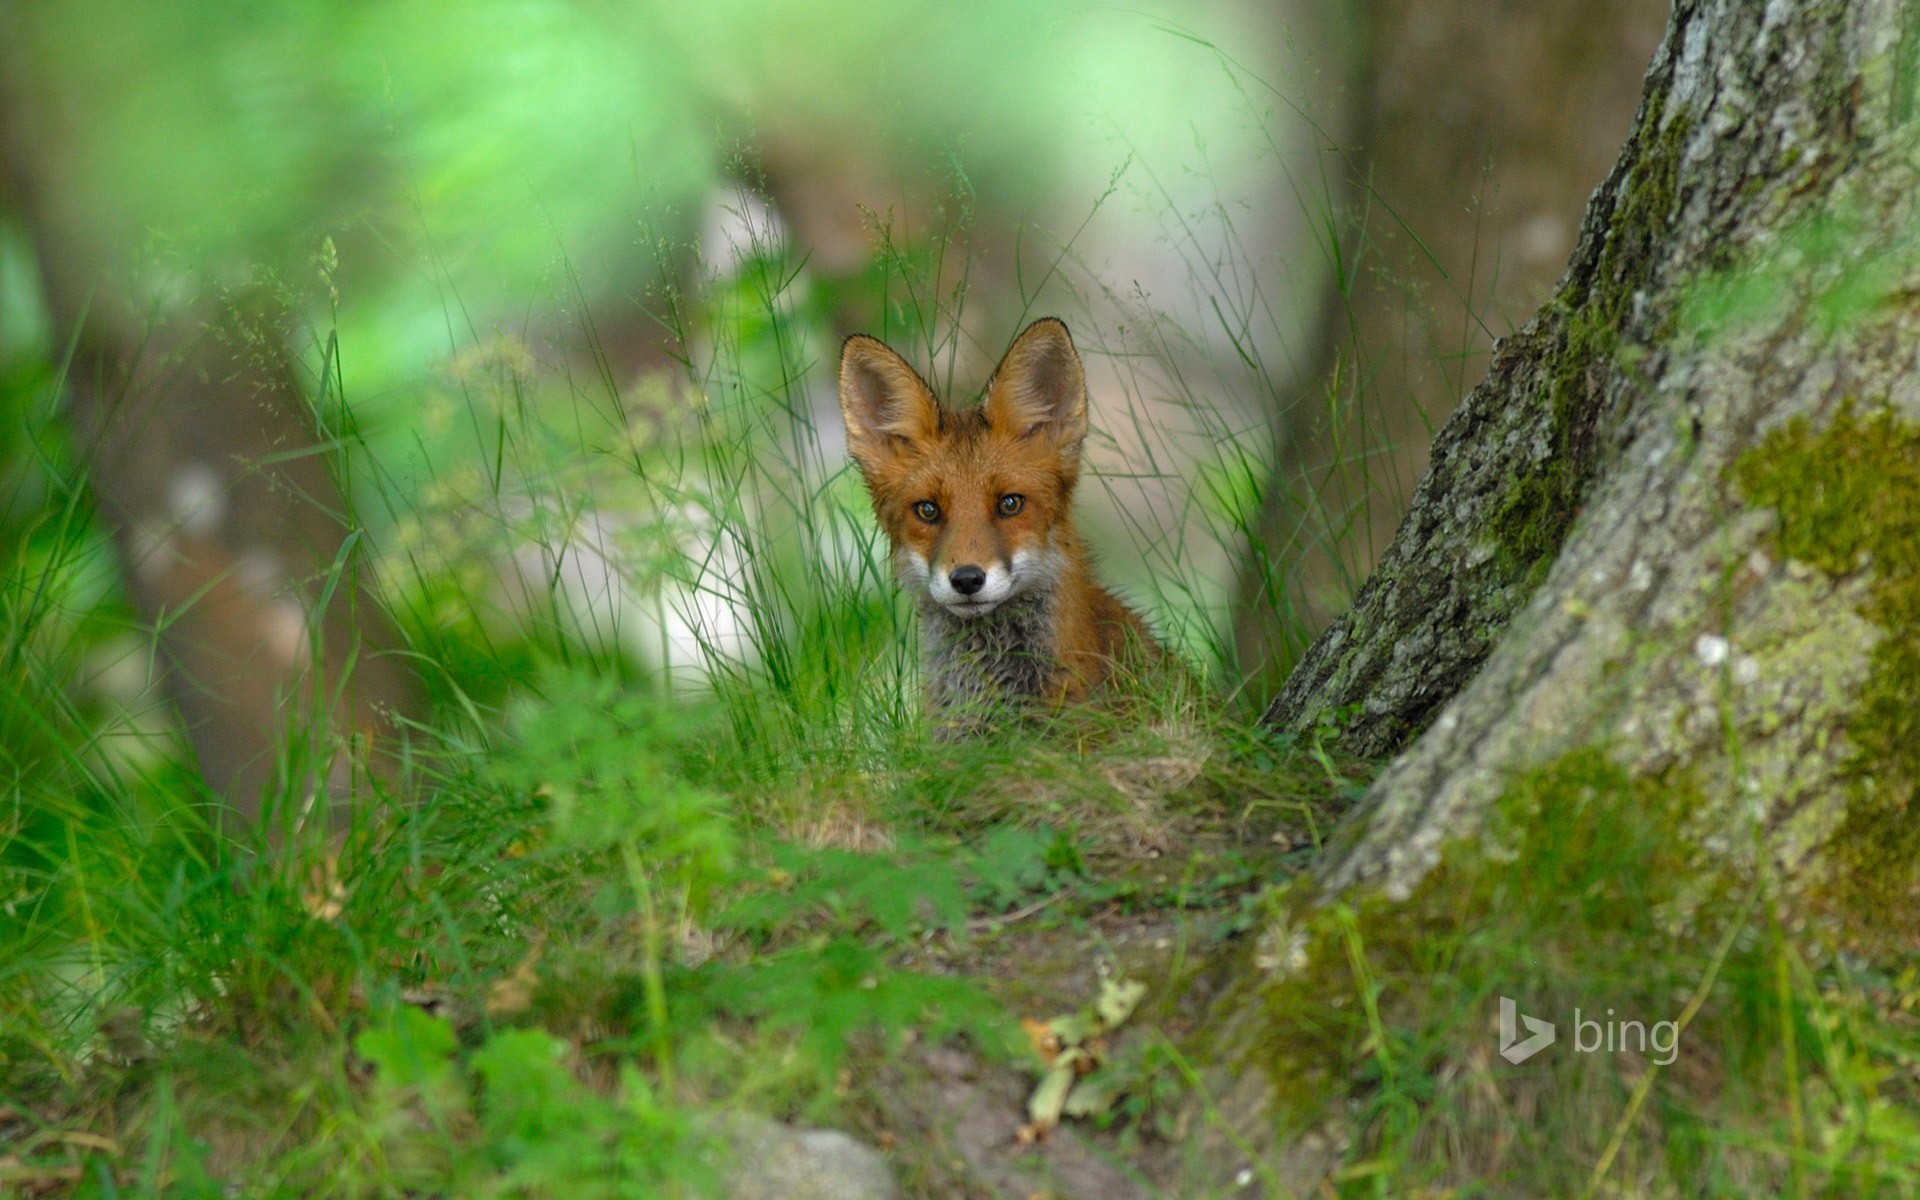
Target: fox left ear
887, 406
1041, 388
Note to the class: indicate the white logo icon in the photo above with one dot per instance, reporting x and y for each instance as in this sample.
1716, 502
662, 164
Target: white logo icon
1511, 1048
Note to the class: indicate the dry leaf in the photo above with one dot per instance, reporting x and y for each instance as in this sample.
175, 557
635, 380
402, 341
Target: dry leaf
1073, 1046
514, 994
1091, 1096
1045, 1042
1043, 1109
1118, 999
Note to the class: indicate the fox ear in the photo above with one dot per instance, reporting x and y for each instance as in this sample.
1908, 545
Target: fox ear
887, 406
1040, 387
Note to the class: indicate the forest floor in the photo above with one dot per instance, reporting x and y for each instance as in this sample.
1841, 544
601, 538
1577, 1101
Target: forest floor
573, 948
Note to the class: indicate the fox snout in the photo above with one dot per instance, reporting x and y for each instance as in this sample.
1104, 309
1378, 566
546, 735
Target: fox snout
971, 590
967, 590
967, 580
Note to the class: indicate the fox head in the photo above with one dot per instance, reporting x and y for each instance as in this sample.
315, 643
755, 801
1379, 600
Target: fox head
977, 502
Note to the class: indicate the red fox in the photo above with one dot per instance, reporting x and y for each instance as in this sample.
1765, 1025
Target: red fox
978, 506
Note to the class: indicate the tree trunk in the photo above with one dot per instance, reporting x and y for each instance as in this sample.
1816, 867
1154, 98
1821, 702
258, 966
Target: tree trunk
1664, 571
1471, 198
231, 531
231, 527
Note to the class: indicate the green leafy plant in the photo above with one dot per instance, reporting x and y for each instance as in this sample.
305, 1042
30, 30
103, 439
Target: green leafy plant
512, 1119
604, 760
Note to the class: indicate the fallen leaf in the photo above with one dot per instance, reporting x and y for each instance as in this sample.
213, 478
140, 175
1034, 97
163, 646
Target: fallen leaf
1072, 1047
1118, 999
1092, 1095
514, 994
1043, 1109
1074, 1028
1045, 1042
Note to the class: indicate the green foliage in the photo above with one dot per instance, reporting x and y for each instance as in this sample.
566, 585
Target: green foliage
646, 862
1837, 266
1142, 1088
412, 1052
830, 993
1011, 863
612, 767
897, 893
511, 1118
617, 887
915, 886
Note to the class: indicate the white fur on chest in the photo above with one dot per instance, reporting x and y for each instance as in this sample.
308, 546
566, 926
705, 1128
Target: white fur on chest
1010, 653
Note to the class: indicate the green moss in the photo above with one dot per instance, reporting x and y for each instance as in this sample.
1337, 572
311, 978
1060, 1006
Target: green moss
1533, 517
1588, 889
1848, 499
1566, 899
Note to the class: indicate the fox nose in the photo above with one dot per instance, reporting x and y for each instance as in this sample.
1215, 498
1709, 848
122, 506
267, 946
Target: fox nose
967, 580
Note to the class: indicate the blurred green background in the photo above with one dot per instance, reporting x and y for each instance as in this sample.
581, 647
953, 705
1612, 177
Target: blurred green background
418, 430
497, 165
487, 285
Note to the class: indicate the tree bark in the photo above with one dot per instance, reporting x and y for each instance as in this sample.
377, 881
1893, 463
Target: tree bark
1674, 528
1466, 190
231, 529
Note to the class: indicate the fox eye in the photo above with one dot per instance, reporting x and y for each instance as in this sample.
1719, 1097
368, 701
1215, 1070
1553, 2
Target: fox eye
927, 511
1011, 504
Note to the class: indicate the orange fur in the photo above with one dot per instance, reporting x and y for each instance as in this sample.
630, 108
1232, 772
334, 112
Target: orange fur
978, 507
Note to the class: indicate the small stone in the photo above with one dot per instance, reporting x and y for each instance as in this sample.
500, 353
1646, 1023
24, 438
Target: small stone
772, 1161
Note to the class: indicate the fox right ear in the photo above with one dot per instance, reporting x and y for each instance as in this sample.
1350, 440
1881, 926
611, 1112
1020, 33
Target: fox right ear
887, 406
1040, 387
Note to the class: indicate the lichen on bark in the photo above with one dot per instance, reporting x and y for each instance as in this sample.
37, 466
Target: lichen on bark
1531, 519
1742, 135
1847, 499
1383, 996
1662, 615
